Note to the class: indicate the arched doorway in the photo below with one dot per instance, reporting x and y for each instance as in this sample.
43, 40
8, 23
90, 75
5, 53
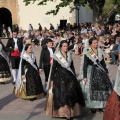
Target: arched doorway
5, 17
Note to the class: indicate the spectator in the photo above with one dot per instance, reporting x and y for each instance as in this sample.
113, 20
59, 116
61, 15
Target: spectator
16, 29
101, 41
30, 27
71, 38
114, 53
40, 27
51, 27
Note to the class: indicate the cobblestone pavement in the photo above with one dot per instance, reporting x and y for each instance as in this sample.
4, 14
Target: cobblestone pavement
12, 108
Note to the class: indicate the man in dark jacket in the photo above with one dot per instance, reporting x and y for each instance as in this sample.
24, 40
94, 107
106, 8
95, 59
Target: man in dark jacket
14, 47
46, 59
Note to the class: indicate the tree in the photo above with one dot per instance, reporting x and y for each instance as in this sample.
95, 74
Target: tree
97, 7
63, 3
110, 8
99, 11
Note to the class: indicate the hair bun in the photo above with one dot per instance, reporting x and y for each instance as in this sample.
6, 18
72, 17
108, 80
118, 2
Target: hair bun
91, 39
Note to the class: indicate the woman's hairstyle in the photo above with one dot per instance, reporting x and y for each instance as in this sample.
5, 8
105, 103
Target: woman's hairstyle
112, 41
92, 39
27, 46
62, 42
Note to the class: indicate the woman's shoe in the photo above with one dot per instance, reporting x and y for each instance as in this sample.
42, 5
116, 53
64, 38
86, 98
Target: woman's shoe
45, 93
32, 99
93, 110
101, 110
2, 82
35, 98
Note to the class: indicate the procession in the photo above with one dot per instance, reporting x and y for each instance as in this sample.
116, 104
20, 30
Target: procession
67, 94
62, 64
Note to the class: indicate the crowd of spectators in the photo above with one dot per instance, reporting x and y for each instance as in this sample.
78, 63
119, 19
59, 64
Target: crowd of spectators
107, 34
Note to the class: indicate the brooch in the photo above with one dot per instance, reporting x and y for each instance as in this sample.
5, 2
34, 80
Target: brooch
89, 50
60, 58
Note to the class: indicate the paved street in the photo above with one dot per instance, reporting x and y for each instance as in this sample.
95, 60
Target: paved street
12, 108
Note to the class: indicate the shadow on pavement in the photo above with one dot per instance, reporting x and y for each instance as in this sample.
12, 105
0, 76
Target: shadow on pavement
32, 114
87, 116
6, 100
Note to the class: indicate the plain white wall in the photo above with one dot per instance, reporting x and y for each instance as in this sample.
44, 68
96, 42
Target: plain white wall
35, 14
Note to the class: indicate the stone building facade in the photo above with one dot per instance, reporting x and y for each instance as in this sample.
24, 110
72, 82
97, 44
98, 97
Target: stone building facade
12, 7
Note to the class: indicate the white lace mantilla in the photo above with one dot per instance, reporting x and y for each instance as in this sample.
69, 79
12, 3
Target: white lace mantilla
101, 56
62, 61
117, 82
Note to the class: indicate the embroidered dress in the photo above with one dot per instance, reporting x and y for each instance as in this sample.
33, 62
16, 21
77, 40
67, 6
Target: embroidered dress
65, 98
31, 85
98, 86
5, 74
112, 109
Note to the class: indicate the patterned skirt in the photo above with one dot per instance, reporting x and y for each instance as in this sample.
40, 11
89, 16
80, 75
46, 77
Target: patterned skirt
21, 93
64, 111
112, 110
65, 98
33, 85
5, 74
97, 89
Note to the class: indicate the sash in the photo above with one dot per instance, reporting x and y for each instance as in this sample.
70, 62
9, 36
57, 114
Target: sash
1, 51
95, 57
30, 60
2, 55
19, 82
64, 63
4, 58
51, 60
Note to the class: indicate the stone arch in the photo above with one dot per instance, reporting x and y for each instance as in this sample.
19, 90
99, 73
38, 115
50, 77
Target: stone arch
12, 6
5, 17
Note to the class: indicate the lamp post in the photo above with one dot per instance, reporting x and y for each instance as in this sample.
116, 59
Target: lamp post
78, 8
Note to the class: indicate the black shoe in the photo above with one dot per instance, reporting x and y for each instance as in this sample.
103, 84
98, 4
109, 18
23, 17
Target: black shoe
101, 110
45, 93
2, 82
93, 110
35, 98
32, 99
13, 83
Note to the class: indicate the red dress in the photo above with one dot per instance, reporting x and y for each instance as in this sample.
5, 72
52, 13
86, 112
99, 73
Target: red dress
112, 110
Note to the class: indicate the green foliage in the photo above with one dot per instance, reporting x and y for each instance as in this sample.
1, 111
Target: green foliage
100, 8
111, 8
109, 4
63, 3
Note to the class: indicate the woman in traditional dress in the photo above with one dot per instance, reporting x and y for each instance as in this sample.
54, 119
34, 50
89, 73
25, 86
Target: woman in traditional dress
5, 74
94, 75
112, 110
28, 84
65, 98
